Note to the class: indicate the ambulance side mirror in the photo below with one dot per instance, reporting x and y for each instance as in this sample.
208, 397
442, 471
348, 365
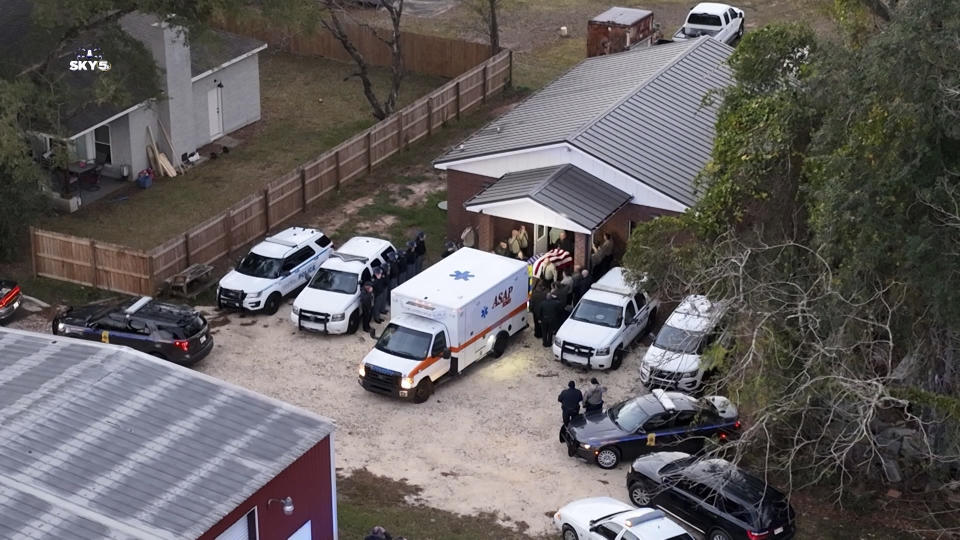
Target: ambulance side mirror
446, 353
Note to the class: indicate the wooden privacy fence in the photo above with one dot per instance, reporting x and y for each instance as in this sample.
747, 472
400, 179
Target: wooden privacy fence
429, 55
132, 271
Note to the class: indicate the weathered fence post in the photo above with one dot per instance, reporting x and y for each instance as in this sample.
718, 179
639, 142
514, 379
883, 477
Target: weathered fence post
186, 247
152, 284
33, 250
369, 150
303, 189
430, 115
339, 175
458, 99
486, 65
400, 144
229, 230
93, 262
266, 209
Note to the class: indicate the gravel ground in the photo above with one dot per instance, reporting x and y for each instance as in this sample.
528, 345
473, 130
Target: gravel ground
484, 442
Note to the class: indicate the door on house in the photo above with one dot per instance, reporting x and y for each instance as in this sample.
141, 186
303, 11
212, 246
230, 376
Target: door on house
541, 239
215, 109
303, 533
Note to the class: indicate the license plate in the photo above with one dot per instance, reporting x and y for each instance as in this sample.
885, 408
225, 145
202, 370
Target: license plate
403, 393
203, 339
778, 530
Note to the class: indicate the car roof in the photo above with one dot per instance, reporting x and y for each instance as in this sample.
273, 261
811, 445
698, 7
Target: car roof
732, 481
364, 246
147, 308
285, 242
712, 8
605, 297
615, 281
649, 523
696, 313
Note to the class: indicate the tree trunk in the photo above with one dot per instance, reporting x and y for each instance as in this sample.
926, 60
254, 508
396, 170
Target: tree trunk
494, 28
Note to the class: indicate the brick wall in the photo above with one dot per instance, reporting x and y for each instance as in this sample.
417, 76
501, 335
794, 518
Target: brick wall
619, 224
461, 186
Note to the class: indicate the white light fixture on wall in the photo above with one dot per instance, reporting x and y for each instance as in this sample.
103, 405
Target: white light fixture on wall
287, 503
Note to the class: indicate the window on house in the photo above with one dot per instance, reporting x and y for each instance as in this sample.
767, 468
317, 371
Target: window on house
244, 529
630, 228
101, 142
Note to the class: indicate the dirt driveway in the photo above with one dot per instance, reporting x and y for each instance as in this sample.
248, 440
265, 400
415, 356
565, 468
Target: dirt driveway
484, 442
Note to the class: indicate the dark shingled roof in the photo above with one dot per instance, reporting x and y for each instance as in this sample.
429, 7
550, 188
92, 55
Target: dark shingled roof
218, 47
565, 189
641, 111
101, 441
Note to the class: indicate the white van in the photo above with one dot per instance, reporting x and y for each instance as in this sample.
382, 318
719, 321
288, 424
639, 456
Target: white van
330, 302
446, 318
273, 269
673, 360
604, 323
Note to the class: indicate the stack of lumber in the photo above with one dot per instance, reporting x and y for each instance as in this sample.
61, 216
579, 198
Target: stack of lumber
158, 160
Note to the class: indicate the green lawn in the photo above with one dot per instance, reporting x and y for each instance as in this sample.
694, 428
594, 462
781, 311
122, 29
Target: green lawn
307, 107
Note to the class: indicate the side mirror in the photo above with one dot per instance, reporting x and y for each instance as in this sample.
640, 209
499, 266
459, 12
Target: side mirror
446, 353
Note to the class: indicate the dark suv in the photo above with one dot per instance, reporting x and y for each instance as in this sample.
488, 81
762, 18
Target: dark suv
713, 496
169, 331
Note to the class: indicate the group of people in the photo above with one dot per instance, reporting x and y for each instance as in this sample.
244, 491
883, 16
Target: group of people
571, 398
398, 268
379, 533
550, 301
517, 246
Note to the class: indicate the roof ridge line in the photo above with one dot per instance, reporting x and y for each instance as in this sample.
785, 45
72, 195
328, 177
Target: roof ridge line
696, 45
546, 181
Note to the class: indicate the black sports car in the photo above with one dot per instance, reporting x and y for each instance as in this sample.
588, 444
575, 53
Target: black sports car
650, 423
168, 331
714, 496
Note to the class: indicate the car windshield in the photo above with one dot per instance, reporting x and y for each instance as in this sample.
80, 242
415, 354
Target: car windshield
629, 415
404, 342
335, 281
259, 266
704, 19
675, 466
678, 341
593, 312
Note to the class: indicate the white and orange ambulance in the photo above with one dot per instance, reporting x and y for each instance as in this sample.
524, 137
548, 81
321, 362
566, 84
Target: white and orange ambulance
446, 318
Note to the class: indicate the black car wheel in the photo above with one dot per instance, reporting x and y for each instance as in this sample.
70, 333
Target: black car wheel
719, 534
569, 533
563, 438
500, 344
617, 359
641, 493
272, 304
608, 457
423, 391
743, 22
354, 322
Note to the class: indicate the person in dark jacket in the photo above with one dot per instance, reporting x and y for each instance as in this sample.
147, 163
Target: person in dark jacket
581, 285
565, 242
570, 400
552, 314
402, 263
379, 294
537, 297
394, 274
366, 305
420, 249
411, 255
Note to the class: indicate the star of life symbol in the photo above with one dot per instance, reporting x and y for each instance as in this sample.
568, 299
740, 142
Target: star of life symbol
483, 312
458, 275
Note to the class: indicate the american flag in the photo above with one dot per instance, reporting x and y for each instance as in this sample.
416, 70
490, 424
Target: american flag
558, 257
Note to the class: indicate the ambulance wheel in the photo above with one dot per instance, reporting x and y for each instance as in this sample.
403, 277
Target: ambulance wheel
354, 322
617, 359
500, 345
423, 391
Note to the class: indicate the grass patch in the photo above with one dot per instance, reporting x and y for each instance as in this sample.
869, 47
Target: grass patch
365, 500
307, 108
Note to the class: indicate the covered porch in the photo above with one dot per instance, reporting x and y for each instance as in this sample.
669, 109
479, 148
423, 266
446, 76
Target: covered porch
548, 200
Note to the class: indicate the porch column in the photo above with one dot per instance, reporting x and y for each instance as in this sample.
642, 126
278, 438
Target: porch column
581, 250
485, 232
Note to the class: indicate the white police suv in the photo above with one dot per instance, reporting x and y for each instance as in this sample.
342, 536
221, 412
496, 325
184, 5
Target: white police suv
273, 269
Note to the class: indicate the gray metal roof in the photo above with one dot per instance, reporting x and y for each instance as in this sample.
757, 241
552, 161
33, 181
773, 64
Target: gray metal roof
566, 189
662, 134
570, 103
218, 47
653, 125
622, 16
99, 441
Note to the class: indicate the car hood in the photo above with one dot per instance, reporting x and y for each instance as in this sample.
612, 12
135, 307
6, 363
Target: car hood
241, 282
595, 428
388, 362
584, 510
323, 301
649, 464
670, 361
590, 335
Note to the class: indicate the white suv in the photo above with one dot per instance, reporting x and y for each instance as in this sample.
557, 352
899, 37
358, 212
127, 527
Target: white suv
273, 269
602, 518
673, 360
330, 302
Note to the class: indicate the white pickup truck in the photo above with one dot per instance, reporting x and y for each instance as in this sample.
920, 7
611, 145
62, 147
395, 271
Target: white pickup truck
605, 322
448, 317
720, 21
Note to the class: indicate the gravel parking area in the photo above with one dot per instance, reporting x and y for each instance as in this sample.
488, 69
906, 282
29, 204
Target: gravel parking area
484, 442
